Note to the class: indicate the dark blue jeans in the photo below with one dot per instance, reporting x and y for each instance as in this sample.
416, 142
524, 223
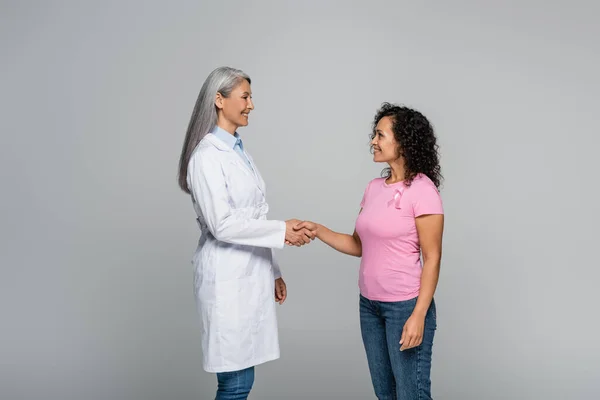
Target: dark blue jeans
396, 375
235, 385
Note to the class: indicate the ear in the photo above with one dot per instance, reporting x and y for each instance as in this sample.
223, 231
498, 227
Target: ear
219, 101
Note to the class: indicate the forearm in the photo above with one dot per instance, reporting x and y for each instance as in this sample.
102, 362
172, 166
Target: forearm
209, 190
250, 232
344, 243
429, 280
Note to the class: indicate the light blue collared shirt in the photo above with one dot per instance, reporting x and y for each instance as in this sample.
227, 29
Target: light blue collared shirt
234, 141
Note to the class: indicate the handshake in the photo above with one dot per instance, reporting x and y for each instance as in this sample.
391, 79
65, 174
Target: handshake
298, 233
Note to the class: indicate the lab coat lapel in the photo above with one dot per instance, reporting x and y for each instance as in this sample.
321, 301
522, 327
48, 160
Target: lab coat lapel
259, 180
252, 172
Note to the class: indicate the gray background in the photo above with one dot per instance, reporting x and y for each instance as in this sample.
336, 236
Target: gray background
96, 281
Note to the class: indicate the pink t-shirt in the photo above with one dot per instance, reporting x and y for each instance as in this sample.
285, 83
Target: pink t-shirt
390, 268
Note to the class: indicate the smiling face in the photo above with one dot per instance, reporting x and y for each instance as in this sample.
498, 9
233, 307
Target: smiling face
385, 146
233, 110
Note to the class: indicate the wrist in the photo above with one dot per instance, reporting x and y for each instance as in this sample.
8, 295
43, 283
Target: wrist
419, 312
319, 230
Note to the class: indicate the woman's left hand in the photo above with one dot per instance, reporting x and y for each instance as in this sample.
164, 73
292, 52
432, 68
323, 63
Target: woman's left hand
412, 334
280, 290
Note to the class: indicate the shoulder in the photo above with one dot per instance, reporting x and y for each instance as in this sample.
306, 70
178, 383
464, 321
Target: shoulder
422, 182
368, 193
422, 187
207, 153
374, 183
210, 146
209, 143
424, 196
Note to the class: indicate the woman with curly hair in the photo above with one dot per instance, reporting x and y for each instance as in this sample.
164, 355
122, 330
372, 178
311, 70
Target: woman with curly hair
401, 218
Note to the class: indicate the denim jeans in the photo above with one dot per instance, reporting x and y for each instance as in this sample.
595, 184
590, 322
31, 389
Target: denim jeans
396, 375
235, 385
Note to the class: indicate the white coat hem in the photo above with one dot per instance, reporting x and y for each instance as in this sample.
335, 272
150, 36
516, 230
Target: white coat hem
263, 360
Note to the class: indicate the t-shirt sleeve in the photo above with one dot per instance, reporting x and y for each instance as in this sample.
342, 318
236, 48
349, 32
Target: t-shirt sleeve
426, 199
362, 202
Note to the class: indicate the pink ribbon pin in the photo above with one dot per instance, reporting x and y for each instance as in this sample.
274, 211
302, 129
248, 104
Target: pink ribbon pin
396, 199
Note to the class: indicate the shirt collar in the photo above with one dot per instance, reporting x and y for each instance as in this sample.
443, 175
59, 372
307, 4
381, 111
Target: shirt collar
228, 138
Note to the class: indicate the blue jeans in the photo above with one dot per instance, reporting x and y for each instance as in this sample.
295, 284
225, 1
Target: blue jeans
235, 385
396, 375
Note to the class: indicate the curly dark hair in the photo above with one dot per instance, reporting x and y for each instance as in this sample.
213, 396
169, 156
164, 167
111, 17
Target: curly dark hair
417, 142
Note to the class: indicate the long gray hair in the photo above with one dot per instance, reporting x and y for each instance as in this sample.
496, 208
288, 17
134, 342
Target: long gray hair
204, 117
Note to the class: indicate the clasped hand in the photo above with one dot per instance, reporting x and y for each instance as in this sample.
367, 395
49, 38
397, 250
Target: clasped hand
298, 233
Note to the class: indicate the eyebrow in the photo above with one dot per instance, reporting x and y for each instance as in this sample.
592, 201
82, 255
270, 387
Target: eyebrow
247, 93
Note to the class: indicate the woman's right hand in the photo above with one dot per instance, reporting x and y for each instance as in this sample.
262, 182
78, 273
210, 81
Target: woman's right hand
297, 236
311, 226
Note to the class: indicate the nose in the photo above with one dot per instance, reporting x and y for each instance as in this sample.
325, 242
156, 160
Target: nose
250, 104
374, 140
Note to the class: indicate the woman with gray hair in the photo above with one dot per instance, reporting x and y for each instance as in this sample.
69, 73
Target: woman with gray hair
235, 273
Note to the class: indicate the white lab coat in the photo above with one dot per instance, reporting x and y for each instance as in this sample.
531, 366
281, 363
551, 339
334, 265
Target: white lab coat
234, 265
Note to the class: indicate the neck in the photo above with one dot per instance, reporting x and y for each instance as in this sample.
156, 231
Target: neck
226, 125
397, 171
